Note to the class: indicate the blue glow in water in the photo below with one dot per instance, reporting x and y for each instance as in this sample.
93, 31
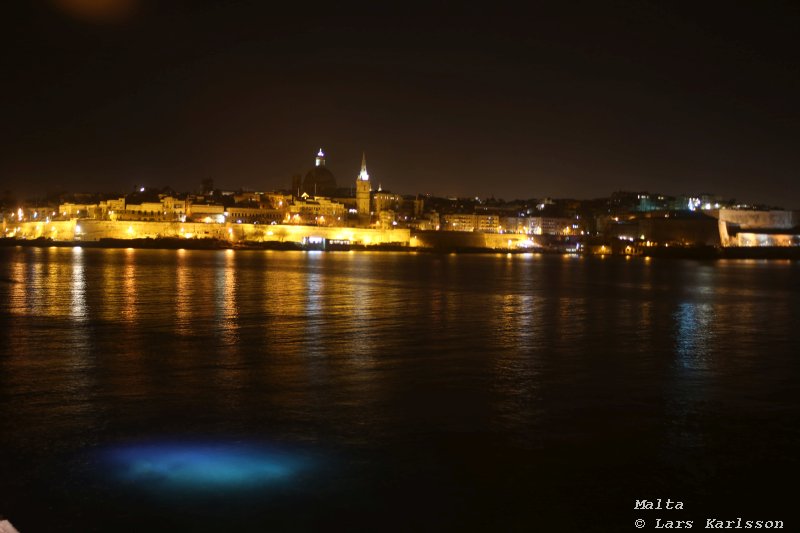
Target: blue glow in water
202, 466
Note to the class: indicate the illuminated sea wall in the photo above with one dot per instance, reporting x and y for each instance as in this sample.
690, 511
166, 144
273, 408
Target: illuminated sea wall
749, 219
94, 230
62, 230
290, 233
744, 228
470, 239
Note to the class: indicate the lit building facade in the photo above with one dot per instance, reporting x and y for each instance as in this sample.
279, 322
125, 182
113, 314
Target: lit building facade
552, 226
386, 201
318, 211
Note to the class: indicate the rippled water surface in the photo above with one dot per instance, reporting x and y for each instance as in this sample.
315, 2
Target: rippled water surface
377, 391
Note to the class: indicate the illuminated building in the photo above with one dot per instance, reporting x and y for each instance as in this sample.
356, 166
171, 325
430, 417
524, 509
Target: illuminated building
70, 210
319, 211
471, 222
206, 213
259, 215
459, 222
363, 190
551, 226
386, 201
386, 219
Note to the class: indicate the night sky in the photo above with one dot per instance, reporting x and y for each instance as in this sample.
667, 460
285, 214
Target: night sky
564, 99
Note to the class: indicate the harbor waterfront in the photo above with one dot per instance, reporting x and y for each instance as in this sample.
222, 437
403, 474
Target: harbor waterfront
625, 223
258, 390
205, 236
94, 230
87, 231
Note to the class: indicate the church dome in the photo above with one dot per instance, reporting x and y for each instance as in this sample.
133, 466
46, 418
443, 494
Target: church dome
319, 181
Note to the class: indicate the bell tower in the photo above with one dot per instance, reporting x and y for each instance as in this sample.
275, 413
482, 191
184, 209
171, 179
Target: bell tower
363, 190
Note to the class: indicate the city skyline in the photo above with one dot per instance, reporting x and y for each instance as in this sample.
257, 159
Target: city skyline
453, 101
347, 187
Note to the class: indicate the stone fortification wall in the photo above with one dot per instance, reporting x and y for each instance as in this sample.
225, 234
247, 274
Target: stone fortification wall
730, 219
61, 230
470, 239
744, 239
94, 230
747, 219
291, 233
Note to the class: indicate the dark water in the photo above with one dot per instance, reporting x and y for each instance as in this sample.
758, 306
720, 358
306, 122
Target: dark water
191, 390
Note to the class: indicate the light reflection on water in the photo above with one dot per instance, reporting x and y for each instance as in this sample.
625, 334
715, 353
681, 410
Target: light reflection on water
130, 304
183, 467
227, 304
521, 378
78, 288
183, 296
694, 335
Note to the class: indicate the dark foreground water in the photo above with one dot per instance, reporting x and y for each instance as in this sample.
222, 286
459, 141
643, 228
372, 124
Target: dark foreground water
193, 390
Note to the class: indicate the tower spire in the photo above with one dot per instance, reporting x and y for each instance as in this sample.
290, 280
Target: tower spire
363, 192
363, 175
